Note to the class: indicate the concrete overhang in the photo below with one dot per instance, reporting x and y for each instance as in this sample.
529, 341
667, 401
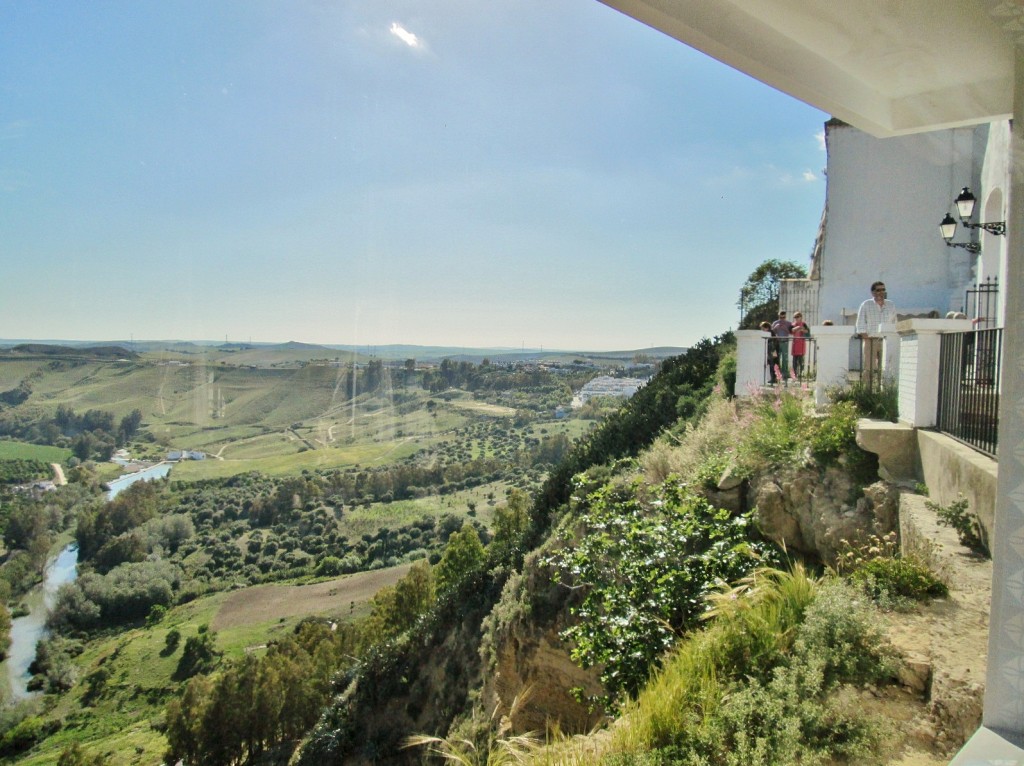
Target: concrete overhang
889, 67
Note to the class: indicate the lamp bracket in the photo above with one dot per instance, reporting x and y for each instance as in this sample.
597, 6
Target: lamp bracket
971, 247
995, 227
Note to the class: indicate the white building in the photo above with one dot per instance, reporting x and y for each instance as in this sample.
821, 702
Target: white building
884, 200
605, 385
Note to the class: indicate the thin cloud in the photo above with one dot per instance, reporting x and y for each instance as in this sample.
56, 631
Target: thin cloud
406, 36
786, 178
820, 138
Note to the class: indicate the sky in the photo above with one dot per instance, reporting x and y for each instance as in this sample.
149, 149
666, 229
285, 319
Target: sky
482, 173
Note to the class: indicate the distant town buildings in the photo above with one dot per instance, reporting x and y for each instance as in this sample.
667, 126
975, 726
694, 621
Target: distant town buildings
185, 454
605, 385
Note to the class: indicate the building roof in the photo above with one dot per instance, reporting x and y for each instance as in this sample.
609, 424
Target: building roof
888, 68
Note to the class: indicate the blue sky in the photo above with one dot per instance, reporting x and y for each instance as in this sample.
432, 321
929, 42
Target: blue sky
448, 172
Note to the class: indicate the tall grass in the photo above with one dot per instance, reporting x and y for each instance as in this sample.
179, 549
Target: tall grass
877, 402
684, 453
753, 623
766, 683
482, 746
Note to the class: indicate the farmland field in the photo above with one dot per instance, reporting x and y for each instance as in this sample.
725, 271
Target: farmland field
273, 604
11, 450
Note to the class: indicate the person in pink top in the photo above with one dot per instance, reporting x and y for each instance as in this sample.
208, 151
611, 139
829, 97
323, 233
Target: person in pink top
798, 345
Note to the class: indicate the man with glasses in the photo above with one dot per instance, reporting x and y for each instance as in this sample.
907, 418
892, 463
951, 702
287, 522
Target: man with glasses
875, 311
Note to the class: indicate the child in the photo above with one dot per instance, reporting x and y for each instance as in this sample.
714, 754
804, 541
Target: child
771, 352
799, 343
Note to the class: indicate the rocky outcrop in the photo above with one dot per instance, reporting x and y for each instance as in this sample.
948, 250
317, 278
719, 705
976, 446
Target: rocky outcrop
816, 512
529, 675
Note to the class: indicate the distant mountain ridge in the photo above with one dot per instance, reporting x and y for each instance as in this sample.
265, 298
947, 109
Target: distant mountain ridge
46, 349
131, 349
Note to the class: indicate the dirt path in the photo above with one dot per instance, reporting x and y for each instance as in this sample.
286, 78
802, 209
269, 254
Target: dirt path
943, 644
300, 438
58, 475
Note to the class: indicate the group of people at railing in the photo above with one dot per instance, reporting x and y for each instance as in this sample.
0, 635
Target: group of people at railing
787, 341
948, 379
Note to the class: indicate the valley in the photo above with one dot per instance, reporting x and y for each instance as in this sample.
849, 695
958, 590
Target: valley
314, 482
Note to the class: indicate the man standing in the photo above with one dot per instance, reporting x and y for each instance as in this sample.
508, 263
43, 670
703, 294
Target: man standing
876, 310
782, 328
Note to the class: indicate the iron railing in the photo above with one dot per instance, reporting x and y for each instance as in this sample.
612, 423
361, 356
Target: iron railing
982, 303
969, 365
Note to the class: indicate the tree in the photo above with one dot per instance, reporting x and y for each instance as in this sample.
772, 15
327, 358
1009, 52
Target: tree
185, 722
511, 522
200, 655
5, 631
129, 426
759, 295
463, 555
395, 609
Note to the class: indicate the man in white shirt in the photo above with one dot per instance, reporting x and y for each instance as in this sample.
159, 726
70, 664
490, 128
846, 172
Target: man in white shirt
874, 311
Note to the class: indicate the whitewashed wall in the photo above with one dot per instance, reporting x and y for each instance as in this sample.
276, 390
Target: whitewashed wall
995, 180
885, 199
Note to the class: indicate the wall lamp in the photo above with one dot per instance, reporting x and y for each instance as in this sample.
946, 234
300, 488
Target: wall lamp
965, 202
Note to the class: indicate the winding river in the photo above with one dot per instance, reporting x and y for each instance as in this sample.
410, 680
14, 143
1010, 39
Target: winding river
157, 471
26, 631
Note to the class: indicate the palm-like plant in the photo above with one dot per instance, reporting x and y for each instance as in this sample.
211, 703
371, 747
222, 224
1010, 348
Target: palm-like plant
495, 750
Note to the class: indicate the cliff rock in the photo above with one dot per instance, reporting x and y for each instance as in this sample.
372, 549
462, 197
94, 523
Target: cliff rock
813, 511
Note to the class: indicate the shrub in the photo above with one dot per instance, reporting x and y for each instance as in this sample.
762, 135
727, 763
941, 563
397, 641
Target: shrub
968, 528
880, 403
905, 577
773, 433
647, 566
759, 686
25, 734
836, 433
710, 471
330, 566
889, 578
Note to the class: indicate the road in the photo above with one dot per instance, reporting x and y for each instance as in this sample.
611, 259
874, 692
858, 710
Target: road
58, 475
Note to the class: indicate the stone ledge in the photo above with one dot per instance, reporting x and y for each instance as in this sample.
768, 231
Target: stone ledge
896, 447
986, 747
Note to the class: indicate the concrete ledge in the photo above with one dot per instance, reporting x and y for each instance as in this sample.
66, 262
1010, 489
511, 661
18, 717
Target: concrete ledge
896, 447
987, 748
950, 468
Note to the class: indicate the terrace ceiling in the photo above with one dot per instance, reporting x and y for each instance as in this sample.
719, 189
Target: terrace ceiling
888, 67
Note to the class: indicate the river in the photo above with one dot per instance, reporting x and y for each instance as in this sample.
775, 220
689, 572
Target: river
157, 471
26, 631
